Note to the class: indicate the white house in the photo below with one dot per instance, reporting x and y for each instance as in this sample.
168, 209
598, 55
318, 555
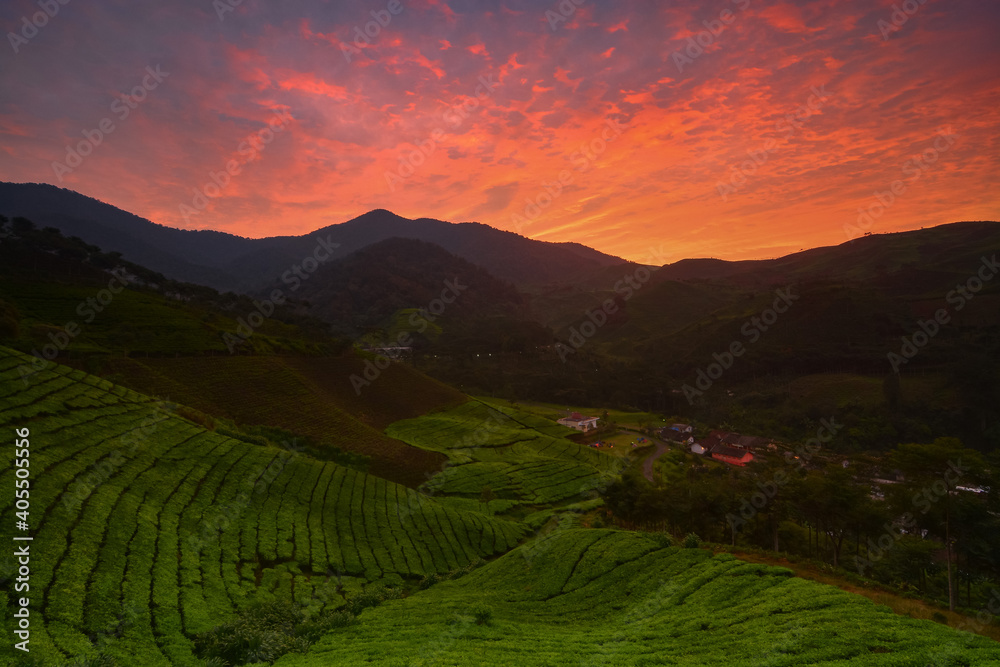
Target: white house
579, 422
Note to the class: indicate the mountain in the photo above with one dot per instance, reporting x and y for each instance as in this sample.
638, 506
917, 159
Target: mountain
228, 262
897, 259
367, 287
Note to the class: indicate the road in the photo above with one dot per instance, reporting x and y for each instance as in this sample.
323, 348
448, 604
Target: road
647, 465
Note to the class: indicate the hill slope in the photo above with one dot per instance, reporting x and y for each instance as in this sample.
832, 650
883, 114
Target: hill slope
598, 597
149, 529
367, 287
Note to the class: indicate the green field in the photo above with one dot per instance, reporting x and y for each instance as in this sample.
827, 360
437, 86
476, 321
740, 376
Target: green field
150, 528
138, 511
518, 455
597, 597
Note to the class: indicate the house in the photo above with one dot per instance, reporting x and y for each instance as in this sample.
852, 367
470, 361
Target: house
579, 422
677, 433
732, 455
748, 442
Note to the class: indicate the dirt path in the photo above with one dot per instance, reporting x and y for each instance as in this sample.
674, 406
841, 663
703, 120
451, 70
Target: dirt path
647, 465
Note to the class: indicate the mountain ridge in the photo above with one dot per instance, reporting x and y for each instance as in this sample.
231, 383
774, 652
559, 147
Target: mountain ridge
229, 262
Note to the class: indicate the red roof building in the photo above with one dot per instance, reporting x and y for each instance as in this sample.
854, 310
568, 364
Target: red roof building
731, 455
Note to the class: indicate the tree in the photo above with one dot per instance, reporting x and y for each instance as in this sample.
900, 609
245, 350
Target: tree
22, 225
933, 472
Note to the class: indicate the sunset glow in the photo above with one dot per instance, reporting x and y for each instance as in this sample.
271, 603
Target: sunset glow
734, 129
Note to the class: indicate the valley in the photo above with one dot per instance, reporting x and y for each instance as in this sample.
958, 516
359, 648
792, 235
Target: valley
211, 483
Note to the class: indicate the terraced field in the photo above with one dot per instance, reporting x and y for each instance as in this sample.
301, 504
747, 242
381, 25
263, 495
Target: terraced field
597, 597
148, 528
519, 456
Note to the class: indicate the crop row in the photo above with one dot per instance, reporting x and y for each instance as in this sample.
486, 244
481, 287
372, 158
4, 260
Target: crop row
604, 598
140, 512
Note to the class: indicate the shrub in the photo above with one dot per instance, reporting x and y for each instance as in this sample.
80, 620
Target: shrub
372, 596
692, 541
319, 625
482, 614
664, 539
197, 416
262, 633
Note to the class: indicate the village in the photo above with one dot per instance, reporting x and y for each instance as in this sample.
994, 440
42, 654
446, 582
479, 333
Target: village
720, 445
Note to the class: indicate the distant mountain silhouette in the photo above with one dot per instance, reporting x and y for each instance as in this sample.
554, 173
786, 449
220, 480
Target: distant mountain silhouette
369, 286
229, 262
902, 260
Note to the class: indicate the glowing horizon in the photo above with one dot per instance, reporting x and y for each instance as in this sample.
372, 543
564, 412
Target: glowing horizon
739, 130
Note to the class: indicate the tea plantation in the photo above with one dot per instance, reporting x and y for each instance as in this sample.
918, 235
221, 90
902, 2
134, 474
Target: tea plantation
148, 528
599, 597
519, 456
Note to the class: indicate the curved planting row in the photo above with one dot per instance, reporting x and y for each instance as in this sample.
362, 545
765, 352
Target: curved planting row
596, 597
506, 450
149, 529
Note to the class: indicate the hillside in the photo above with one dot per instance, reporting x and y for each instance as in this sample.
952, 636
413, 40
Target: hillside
152, 533
149, 529
366, 288
308, 396
169, 339
228, 262
599, 597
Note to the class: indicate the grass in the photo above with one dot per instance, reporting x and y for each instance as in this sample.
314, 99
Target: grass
553, 411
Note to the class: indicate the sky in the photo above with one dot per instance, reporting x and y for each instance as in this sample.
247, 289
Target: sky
654, 131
